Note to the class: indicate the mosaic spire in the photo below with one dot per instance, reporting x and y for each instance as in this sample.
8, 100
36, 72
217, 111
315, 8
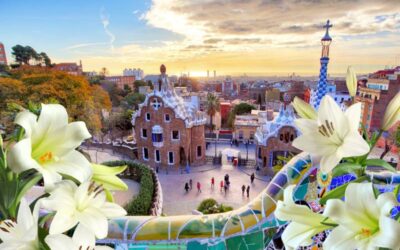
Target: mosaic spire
322, 87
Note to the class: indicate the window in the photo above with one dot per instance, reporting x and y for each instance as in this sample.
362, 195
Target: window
157, 137
175, 135
145, 154
167, 118
148, 116
144, 133
259, 152
198, 151
157, 156
170, 157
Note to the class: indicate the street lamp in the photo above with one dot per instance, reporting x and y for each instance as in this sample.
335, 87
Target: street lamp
216, 138
247, 150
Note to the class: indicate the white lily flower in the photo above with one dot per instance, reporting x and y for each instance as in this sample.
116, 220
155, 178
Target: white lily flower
82, 239
333, 135
85, 205
364, 222
392, 113
304, 222
22, 234
49, 145
351, 81
303, 109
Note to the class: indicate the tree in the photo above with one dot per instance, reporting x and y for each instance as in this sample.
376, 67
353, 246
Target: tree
45, 59
43, 85
25, 54
139, 83
132, 100
212, 107
240, 109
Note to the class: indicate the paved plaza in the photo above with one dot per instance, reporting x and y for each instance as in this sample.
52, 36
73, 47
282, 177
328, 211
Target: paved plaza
177, 201
221, 146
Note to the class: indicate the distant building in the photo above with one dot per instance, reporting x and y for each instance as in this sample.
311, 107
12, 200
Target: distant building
380, 88
137, 73
3, 57
244, 127
122, 81
144, 90
169, 131
70, 68
257, 91
229, 87
225, 109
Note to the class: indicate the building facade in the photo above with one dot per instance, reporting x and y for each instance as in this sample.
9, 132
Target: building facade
274, 138
70, 68
137, 73
3, 57
245, 127
122, 81
375, 96
169, 131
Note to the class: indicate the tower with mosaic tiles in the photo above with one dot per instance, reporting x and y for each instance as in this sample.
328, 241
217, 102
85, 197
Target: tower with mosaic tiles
322, 87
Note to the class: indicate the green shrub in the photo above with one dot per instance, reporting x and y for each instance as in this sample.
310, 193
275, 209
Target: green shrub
211, 206
141, 204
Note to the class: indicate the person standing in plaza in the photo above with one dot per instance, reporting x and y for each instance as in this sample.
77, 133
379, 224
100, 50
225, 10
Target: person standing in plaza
252, 177
198, 187
243, 189
248, 191
225, 188
190, 184
221, 185
212, 182
187, 187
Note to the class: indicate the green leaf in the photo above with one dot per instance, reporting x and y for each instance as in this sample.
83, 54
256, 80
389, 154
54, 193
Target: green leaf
365, 133
396, 191
345, 168
338, 192
381, 163
26, 185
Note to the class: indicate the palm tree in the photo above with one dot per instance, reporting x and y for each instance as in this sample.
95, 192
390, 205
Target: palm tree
212, 106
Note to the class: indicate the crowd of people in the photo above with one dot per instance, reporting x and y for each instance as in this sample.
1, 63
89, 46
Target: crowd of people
223, 184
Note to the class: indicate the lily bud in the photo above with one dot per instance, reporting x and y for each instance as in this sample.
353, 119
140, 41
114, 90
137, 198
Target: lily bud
392, 113
107, 177
351, 81
303, 109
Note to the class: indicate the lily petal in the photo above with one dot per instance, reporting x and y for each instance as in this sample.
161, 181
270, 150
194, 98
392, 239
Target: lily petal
27, 120
329, 162
331, 112
353, 145
19, 156
352, 114
62, 222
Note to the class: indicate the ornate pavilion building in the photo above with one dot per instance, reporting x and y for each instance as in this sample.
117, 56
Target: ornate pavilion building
169, 131
274, 138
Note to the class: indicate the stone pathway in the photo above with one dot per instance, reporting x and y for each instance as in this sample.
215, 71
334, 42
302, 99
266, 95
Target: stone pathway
176, 201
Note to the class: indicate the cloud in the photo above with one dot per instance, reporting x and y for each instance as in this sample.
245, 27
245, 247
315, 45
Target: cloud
84, 45
222, 20
106, 21
261, 35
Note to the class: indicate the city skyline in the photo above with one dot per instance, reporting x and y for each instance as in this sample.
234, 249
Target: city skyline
231, 37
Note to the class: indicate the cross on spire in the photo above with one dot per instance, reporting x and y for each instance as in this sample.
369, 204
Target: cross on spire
327, 26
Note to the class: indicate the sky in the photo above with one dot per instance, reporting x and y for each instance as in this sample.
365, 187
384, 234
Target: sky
235, 37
